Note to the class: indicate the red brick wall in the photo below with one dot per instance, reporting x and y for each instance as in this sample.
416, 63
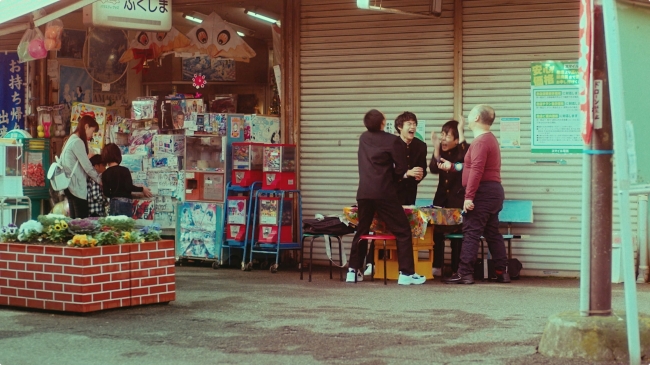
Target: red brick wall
75, 279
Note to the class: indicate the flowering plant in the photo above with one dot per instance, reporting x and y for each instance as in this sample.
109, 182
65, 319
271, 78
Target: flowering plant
151, 233
131, 237
30, 231
58, 232
107, 238
119, 223
82, 240
50, 219
9, 233
83, 226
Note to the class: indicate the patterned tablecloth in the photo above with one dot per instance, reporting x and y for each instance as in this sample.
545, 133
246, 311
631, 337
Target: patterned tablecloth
418, 218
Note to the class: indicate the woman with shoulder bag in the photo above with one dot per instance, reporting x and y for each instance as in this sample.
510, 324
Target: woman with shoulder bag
77, 165
118, 184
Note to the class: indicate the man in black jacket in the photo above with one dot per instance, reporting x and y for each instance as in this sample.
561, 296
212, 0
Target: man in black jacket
448, 154
382, 161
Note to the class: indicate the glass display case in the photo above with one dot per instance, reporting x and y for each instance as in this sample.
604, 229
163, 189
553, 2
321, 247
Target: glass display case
269, 220
279, 170
204, 168
11, 175
247, 161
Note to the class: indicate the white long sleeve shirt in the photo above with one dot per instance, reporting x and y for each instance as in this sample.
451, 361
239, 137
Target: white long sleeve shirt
73, 153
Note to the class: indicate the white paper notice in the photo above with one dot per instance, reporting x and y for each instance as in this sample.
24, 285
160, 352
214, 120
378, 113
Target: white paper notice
510, 132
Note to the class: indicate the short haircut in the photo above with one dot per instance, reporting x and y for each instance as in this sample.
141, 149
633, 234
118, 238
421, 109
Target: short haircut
373, 120
486, 113
96, 160
111, 153
404, 117
451, 127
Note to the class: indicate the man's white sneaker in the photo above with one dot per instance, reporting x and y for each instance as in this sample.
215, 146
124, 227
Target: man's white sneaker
368, 271
350, 276
436, 271
414, 279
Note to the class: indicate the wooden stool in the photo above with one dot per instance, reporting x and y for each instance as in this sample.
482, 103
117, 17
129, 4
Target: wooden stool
311, 251
371, 238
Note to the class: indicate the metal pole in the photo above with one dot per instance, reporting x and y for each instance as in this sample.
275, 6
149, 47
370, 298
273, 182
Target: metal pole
622, 174
586, 233
600, 275
643, 239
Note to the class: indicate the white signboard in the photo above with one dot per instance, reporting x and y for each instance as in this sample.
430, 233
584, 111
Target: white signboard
145, 15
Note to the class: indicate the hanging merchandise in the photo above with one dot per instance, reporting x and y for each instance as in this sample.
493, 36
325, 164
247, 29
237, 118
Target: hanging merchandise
31, 46
58, 130
152, 45
198, 81
214, 37
53, 31
44, 121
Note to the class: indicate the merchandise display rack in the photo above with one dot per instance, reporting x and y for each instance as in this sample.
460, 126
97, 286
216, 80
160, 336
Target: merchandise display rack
249, 193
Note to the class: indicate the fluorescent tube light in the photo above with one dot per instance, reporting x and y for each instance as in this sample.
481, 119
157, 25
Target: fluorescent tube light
260, 16
193, 18
241, 34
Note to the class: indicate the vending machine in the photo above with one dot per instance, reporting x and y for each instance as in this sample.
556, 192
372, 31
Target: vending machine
279, 171
247, 160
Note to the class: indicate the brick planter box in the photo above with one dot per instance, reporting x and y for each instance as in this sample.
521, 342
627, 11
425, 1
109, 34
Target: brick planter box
75, 279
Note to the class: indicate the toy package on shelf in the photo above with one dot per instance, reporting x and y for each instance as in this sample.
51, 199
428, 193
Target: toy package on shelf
143, 109
44, 121
133, 162
173, 144
140, 141
263, 129
58, 127
224, 104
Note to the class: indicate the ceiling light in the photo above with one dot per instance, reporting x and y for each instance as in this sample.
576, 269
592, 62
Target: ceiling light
241, 31
256, 14
435, 8
241, 34
192, 18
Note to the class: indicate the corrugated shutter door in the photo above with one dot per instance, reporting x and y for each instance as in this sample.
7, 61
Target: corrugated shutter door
354, 60
500, 40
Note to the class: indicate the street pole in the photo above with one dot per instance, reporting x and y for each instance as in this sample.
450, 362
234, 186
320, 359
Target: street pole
600, 293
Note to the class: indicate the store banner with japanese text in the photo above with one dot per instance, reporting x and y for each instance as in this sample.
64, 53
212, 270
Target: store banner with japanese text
12, 93
556, 120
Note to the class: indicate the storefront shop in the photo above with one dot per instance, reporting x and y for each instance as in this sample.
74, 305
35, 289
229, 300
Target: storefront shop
353, 60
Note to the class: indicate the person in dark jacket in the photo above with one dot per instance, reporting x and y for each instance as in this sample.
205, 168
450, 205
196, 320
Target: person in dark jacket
382, 162
416, 160
448, 154
117, 182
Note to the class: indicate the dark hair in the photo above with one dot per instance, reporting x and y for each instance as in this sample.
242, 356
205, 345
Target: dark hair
404, 117
80, 131
487, 114
111, 153
373, 120
96, 160
451, 127
226, 33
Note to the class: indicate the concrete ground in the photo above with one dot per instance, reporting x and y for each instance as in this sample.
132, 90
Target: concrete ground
227, 316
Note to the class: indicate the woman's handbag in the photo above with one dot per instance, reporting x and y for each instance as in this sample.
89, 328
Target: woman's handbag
59, 180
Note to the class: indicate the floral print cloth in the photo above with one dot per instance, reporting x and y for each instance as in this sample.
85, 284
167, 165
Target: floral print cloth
418, 219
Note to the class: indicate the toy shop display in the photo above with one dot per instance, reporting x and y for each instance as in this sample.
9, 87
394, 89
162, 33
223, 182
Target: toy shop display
36, 161
247, 160
11, 174
262, 129
270, 222
199, 230
279, 171
78, 110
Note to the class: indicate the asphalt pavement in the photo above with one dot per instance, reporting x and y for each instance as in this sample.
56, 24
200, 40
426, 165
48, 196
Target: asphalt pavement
228, 316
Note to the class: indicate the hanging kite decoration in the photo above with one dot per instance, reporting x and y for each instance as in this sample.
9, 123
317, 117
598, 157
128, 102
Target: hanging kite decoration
215, 38
198, 81
152, 45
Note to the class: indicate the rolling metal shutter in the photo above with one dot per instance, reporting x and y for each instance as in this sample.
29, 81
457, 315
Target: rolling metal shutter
500, 40
352, 61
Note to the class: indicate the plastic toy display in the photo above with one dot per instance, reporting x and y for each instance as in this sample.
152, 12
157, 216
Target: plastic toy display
247, 161
279, 167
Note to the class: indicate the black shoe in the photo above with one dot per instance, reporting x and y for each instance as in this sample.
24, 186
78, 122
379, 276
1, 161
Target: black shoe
457, 279
503, 278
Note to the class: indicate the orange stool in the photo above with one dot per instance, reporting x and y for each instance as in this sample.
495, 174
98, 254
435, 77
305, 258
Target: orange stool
373, 237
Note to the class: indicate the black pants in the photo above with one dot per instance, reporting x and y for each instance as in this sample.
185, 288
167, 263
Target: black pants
483, 220
391, 213
439, 250
78, 206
